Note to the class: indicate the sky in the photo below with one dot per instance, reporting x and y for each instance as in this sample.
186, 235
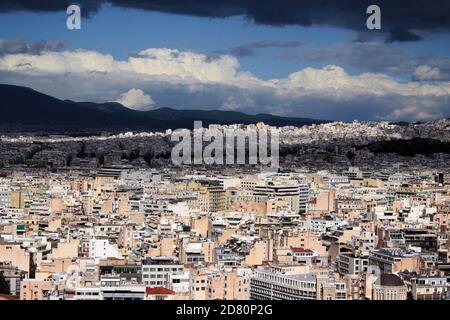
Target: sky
313, 59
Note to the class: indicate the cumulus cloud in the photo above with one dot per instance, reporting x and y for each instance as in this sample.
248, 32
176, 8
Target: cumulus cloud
372, 56
333, 82
136, 99
413, 112
185, 79
158, 62
428, 73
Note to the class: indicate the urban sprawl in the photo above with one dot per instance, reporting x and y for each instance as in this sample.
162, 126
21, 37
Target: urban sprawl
110, 217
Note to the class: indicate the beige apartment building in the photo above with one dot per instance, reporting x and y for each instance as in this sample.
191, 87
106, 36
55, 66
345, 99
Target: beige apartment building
201, 226
210, 198
393, 260
35, 289
199, 284
12, 253
68, 249
228, 285
442, 219
259, 253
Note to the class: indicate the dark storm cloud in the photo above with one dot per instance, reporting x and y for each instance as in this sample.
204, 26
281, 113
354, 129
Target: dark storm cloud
402, 36
16, 46
401, 19
89, 6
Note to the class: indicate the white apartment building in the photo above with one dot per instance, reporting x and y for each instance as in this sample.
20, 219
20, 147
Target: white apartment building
179, 281
100, 248
294, 193
5, 199
269, 284
352, 264
157, 271
319, 226
334, 180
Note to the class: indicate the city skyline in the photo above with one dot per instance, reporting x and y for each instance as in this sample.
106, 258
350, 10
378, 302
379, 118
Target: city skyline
214, 157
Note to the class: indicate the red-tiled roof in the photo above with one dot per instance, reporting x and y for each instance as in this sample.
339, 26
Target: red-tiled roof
158, 290
301, 250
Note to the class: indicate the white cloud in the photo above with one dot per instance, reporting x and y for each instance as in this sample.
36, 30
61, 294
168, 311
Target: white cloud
334, 82
185, 79
75, 62
427, 73
166, 64
136, 99
413, 113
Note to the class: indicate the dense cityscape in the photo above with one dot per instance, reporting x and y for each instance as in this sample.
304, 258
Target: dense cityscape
224, 158
110, 217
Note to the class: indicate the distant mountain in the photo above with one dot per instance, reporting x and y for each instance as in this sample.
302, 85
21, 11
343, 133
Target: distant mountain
26, 110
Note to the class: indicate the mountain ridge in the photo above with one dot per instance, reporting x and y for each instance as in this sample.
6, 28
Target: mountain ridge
24, 109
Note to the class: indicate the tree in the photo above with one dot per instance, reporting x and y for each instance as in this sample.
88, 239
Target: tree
4, 286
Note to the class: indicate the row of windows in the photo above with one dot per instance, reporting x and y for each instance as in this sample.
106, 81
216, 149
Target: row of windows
155, 283
282, 280
87, 293
153, 276
146, 269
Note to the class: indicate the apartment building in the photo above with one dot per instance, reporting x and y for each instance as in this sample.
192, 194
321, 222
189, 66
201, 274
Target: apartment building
35, 289
210, 196
429, 288
352, 264
392, 260
294, 193
229, 284
156, 272
269, 284
198, 288
101, 248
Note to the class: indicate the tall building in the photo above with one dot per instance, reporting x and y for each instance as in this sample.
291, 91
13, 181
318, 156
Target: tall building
211, 196
294, 193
